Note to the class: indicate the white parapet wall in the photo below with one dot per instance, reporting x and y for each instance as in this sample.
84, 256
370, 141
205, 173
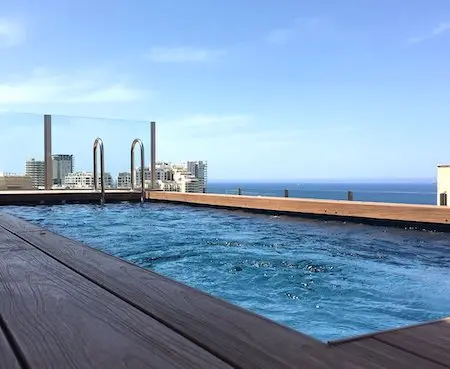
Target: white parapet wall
443, 182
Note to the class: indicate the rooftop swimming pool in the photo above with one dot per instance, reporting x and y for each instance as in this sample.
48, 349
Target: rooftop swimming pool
328, 279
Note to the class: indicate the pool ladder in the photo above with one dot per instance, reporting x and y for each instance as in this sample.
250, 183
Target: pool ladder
99, 144
133, 172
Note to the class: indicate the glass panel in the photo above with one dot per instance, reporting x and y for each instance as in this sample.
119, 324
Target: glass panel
73, 138
182, 151
21, 151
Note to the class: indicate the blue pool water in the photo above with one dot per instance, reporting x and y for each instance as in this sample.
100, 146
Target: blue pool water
327, 279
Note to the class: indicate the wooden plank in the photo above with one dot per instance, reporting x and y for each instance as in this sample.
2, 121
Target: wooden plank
33, 197
8, 359
17, 224
386, 356
372, 334
431, 341
8, 241
244, 339
392, 212
61, 320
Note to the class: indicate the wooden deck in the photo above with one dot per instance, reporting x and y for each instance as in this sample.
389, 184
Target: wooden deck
424, 345
66, 305
49, 197
430, 217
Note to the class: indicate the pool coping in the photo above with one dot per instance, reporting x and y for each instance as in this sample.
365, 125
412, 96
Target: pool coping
422, 217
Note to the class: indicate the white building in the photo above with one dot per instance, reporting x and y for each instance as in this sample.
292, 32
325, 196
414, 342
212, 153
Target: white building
85, 180
164, 171
62, 166
170, 186
443, 185
186, 180
147, 177
199, 170
124, 180
35, 169
177, 178
79, 180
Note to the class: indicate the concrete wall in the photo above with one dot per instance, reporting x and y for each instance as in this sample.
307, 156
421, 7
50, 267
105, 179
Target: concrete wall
443, 182
15, 183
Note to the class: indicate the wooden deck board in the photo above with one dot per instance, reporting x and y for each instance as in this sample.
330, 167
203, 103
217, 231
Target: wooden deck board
424, 216
238, 336
385, 355
431, 341
60, 319
37, 197
8, 359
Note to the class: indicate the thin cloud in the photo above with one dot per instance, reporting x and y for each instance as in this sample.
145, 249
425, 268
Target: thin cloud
42, 87
281, 36
206, 120
200, 126
436, 32
12, 33
183, 54
301, 26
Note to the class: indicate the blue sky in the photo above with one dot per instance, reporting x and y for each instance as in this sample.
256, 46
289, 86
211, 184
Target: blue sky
266, 90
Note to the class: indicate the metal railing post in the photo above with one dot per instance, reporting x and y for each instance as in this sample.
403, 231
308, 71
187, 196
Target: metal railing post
133, 170
99, 144
48, 165
153, 154
443, 199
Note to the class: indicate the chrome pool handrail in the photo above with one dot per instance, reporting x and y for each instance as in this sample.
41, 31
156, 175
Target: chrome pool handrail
99, 144
133, 172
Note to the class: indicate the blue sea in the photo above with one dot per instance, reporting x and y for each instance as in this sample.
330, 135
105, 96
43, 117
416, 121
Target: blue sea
408, 193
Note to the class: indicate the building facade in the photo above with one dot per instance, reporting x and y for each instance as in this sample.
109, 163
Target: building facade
124, 180
147, 175
185, 180
35, 169
177, 177
85, 181
199, 169
62, 166
79, 180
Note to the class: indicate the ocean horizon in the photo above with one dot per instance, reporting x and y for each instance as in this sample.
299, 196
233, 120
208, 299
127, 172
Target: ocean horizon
417, 192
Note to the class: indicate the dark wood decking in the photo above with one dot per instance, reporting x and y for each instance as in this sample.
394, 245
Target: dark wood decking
424, 345
47, 197
66, 305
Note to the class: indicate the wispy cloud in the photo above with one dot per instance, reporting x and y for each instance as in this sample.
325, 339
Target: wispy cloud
12, 33
207, 125
81, 87
207, 120
436, 32
299, 27
160, 54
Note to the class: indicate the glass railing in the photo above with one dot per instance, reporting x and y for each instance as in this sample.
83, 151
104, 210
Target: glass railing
21, 151
73, 137
195, 139
412, 193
